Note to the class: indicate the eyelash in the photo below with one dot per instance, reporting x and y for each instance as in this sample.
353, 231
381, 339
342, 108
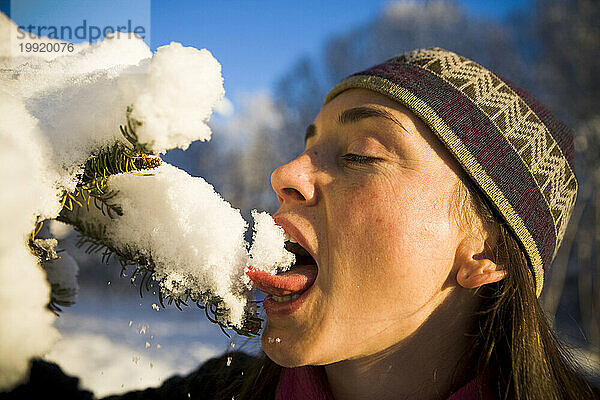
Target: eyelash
359, 159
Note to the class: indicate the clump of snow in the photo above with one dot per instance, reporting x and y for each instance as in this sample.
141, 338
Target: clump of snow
58, 112
20, 132
194, 237
80, 99
49, 246
73, 98
27, 329
268, 252
176, 97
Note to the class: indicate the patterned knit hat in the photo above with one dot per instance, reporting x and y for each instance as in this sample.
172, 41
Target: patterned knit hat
518, 154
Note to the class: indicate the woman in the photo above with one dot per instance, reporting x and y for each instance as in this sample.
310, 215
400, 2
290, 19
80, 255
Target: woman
432, 195
427, 207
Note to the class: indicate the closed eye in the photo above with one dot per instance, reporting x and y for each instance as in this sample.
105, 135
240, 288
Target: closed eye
359, 159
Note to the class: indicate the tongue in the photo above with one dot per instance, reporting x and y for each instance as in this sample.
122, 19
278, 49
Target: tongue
296, 280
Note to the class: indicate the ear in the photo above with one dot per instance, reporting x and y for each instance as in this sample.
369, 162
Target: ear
475, 267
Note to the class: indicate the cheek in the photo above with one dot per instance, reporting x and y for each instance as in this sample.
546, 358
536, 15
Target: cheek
402, 237
391, 211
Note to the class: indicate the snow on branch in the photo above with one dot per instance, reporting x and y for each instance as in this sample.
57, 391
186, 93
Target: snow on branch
80, 142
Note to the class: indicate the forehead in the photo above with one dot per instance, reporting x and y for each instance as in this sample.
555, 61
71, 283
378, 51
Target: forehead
357, 98
415, 131
362, 105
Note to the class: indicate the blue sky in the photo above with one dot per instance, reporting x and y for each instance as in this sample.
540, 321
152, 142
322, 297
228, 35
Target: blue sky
255, 41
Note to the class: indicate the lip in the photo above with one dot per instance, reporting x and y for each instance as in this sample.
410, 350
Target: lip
291, 230
274, 309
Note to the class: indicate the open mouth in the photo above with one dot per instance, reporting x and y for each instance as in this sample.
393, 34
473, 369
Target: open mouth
287, 286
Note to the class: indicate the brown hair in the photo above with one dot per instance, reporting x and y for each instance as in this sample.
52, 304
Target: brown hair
514, 345
514, 342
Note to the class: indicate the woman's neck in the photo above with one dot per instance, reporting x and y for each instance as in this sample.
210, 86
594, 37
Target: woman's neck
429, 365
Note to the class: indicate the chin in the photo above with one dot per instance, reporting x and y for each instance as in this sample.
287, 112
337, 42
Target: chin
282, 350
283, 357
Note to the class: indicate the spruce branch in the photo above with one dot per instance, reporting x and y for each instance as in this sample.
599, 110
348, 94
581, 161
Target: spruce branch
129, 133
132, 157
38, 227
118, 158
44, 249
93, 238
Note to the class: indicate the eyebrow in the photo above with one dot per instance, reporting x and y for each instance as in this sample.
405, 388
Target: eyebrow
354, 115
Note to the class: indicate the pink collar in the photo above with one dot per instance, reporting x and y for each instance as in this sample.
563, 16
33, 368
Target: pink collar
477, 389
303, 383
310, 383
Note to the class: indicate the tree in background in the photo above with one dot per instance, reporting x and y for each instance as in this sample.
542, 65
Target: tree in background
568, 80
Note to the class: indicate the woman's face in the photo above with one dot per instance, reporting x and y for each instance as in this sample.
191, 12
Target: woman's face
370, 199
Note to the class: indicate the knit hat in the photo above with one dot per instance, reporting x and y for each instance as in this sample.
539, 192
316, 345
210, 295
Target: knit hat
513, 149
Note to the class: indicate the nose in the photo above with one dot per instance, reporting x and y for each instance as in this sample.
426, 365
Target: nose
294, 182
